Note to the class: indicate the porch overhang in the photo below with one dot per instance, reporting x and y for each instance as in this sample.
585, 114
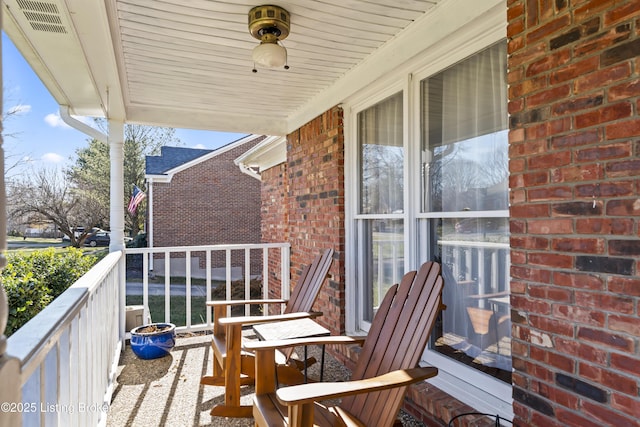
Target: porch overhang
188, 64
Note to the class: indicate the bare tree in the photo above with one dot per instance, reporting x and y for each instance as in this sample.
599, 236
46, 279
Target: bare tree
46, 196
12, 160
91, 169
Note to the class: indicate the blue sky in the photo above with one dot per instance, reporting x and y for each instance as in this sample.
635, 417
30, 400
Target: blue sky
39, 134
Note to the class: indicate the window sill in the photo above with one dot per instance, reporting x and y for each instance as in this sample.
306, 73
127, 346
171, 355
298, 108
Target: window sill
481, 392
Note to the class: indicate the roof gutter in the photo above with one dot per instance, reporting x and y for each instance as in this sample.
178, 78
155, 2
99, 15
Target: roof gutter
246, 169
82, 127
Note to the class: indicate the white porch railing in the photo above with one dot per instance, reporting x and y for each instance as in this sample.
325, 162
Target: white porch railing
59, 368
181, 266
68, 353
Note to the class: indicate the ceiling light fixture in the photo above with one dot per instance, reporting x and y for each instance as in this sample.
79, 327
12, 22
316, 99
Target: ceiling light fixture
270, 25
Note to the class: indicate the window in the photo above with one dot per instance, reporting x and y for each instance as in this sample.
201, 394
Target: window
432, 184
464, 221
381, 179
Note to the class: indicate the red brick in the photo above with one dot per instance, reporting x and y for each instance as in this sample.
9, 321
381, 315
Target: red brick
582, 351
529, 242
549, 193
559, 396
624, 286
623, 129
579, 315
626, 90
605, 377
575, 419
606, 338
550, 325
590, 8
605, 114
577, 173
547, 161
551, 226
553, 359
530, 305
576, 139
601, 78
547, 63
625, 363
574, 70
551, 259
613, 303
604, 226
530, 211
578, 280
548, 96
548, 29
627, 404
627, 324
590, 246
622, 12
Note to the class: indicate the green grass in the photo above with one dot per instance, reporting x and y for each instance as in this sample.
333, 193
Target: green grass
178, 308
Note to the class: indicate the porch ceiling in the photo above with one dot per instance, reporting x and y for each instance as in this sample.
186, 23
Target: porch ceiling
187, 63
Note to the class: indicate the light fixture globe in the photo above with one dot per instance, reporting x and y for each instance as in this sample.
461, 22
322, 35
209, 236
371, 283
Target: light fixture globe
269, 24
269, 55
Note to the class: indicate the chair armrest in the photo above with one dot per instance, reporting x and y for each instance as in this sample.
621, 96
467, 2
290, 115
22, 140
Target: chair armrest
277, 344
308, 393
254, 320
245, 302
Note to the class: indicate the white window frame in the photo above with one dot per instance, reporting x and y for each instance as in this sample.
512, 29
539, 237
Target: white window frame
481, 391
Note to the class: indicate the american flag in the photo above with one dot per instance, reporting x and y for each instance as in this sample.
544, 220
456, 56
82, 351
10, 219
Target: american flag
136, 197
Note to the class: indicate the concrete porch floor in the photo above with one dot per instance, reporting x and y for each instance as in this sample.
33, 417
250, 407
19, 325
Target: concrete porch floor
167, 391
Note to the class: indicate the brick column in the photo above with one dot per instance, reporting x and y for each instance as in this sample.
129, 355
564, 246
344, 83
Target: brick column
574, 160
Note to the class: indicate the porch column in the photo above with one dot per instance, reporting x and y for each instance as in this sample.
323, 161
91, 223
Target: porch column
116, 155
10, 392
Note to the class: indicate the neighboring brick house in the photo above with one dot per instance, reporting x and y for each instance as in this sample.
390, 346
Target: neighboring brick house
200, 197
572, 222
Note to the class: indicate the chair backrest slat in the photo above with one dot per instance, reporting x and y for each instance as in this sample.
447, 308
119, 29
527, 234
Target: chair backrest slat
396, 340
307, 288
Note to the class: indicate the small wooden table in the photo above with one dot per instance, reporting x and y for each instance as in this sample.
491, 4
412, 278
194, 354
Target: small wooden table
290, 329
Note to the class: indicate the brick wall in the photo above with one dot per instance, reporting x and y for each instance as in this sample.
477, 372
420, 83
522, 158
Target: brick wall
274, 222
212, 202
310, 188
574, 74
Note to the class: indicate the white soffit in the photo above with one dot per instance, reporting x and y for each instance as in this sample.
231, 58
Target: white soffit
187, 63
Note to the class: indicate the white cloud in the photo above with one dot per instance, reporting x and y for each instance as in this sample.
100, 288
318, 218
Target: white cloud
52, 158
199, 146
19, 109
55, 121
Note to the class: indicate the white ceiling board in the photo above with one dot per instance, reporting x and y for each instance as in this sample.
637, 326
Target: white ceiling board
187, 63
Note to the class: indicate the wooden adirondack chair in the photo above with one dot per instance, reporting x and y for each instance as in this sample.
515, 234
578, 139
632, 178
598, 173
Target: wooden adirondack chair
233, 367
385, 367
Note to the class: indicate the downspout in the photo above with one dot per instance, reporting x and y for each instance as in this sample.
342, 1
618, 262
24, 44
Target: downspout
82, 127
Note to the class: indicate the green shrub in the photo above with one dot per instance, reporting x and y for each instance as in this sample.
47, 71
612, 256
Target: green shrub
32, 280
27, 296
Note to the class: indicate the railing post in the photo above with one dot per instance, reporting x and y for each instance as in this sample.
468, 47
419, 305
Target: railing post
9, 369
10, 392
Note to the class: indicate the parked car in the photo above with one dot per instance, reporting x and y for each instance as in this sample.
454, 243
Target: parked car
101, 238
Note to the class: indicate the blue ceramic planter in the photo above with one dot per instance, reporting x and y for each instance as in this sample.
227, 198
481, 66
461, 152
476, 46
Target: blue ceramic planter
154, 344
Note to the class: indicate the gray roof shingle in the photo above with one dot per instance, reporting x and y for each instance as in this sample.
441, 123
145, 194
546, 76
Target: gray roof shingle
172, 157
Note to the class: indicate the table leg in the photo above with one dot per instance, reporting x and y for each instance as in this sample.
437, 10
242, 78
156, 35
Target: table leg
322, 364
305, 364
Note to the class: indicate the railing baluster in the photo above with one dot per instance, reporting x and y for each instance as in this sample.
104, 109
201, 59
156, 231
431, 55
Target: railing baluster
187, 269
228, 279
265, 279
208, 289
167, 288
247, 280
145, 287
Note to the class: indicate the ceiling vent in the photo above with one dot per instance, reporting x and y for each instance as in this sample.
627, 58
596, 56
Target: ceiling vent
42, 16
